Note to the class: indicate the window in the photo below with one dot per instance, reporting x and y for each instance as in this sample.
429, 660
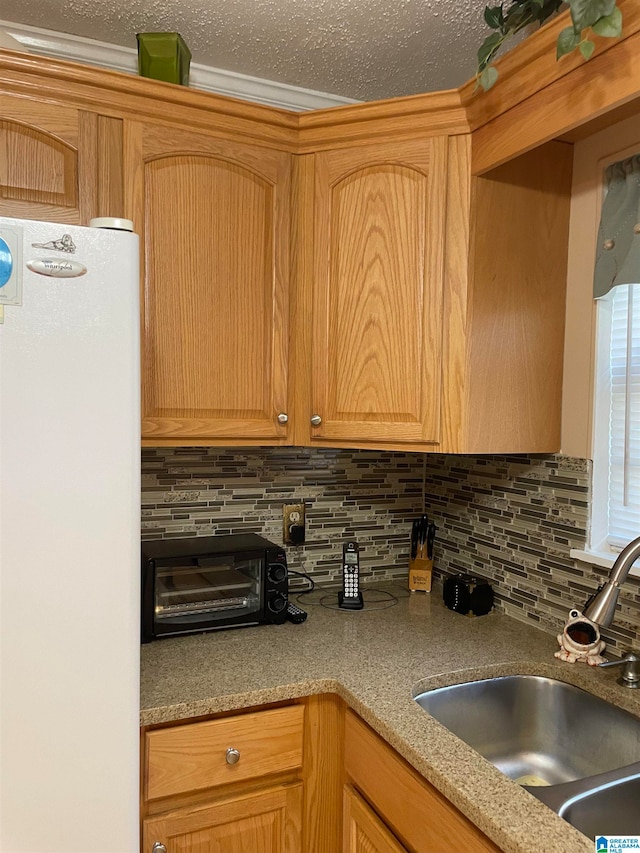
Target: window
616, 475
601, 393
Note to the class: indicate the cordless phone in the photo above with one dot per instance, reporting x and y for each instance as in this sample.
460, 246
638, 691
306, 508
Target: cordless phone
350, 597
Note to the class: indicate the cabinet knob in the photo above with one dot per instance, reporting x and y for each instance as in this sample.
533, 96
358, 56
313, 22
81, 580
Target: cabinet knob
233, 756
158, 847
316, 420
283, 418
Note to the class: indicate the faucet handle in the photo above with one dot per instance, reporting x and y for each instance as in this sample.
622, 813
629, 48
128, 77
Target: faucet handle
631, 673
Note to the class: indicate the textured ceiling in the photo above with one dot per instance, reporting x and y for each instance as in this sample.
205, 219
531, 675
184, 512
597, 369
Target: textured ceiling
363, 49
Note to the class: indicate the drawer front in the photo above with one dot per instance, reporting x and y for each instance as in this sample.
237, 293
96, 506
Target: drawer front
194, 756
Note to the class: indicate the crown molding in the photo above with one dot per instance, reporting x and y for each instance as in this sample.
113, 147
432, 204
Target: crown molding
104, 55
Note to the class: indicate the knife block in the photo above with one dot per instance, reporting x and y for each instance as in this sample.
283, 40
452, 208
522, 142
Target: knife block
420, 574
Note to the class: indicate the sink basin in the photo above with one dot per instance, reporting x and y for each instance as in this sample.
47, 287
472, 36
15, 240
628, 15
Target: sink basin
609, 810
538, 731
606, 804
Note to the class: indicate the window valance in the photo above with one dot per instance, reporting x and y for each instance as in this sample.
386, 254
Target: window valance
618, 246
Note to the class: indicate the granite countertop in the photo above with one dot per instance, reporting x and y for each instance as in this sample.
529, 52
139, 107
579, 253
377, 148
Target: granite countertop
377, 659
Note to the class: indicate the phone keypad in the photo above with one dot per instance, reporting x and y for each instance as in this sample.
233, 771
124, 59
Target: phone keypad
350, 581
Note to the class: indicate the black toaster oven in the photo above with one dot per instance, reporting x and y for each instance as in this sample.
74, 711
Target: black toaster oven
205, 583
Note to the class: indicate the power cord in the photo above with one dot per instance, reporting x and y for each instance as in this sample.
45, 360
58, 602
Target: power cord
312, 584
330, 594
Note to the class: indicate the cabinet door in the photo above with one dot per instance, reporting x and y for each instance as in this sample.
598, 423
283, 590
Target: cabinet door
265, 822
418, 814
364, 832
377, 302
214, 216
48, 156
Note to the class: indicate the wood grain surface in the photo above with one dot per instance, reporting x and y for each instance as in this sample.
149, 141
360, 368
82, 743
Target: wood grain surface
377, 305
364, 832
191, 757
215, 219
269, 820
45, 150
418, 814
516, 332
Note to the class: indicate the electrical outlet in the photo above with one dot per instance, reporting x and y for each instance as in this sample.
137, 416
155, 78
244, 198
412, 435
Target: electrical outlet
293, 524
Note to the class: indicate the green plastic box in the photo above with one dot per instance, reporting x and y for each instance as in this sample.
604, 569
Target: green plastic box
164, 56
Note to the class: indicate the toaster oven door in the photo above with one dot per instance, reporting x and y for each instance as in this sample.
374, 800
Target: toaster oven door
204, 593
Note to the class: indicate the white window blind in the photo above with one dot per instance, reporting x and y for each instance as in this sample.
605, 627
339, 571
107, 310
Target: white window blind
623, 522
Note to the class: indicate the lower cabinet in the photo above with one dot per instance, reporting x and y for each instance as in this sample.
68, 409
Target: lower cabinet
310, 777
268, 821
417, 814
363, 831
227, 785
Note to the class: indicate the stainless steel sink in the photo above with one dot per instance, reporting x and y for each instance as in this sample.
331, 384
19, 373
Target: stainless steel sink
577, 753
538, 728
599, 805
612, 810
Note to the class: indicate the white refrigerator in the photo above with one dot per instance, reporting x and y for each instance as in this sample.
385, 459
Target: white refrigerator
69, 538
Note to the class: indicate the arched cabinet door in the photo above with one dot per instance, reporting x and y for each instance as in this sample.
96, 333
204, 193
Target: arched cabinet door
214, 223
378, 293
48, 157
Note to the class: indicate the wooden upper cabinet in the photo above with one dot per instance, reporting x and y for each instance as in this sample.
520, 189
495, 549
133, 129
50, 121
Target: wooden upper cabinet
48, 156
214, 216
516, 304
378, 293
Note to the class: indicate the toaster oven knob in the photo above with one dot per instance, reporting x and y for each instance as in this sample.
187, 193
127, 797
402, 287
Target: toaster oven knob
283, 418
233, 756
278, 603
158, 847
277, 573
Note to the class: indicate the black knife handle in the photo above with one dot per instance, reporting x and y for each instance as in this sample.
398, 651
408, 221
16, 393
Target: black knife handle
431, 535
414, 539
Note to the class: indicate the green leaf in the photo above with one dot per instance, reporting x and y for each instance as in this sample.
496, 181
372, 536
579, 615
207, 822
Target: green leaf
568, 40
487, 49
584, 13
549, 7
586, 48
493, 17
488, 77
518, 16
610, 26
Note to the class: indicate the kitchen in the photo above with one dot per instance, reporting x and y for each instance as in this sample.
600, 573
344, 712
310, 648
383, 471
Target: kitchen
360, 484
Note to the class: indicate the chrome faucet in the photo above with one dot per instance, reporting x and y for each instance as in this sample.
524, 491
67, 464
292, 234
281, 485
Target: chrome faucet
603, 606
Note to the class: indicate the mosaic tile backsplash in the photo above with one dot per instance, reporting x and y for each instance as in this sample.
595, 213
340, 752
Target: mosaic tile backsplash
511, 519
364, 495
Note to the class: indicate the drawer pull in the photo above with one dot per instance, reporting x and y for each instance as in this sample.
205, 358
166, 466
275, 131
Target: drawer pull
158, 847
233, 756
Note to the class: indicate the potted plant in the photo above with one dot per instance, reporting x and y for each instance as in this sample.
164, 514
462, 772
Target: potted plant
601, 17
